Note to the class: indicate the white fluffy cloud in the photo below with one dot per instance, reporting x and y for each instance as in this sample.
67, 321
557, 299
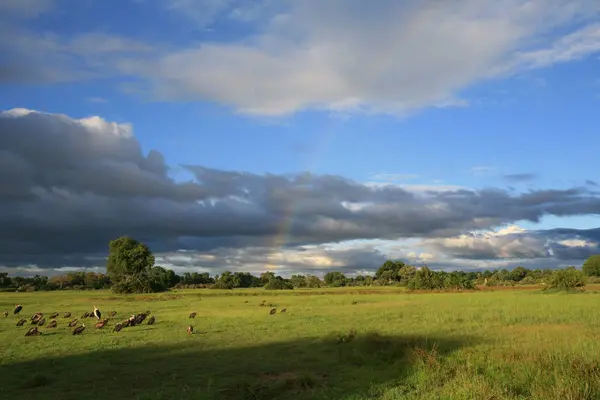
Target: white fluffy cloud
383, 56
361, 55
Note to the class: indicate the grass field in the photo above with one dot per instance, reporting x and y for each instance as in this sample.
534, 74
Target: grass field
330, 344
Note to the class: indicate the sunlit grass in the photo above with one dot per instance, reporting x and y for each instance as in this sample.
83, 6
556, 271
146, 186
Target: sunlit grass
330, 344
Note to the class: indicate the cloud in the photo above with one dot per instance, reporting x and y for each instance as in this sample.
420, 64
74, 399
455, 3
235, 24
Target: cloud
517, 178
204, 13
482, 169
347, 57
96, 100
514, 242
24, 8
50, 58
71, 185
320, 55
590, 182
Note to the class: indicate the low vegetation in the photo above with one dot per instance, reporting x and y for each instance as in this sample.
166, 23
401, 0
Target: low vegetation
130, 269
336, 343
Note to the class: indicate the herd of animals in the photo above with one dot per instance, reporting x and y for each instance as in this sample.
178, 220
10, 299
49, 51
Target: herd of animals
38, 320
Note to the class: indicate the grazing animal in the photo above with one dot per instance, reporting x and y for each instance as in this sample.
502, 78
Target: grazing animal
151, 320
192, 315
53, 315
67, 315
5, 314
73, 323
112, 313
97, 313
33, 332
132, 321
18, 309
126, 323
85, 315
52, 324
283, 310
118, 327
21, 322
102, 323
141, 317
42, 321
36, 317
246, 301
79, 330
190, 330
273, 311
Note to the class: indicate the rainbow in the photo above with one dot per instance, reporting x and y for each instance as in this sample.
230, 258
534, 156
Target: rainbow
286, 222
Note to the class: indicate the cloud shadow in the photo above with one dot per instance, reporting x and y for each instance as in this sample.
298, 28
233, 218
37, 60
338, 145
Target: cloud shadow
338, 366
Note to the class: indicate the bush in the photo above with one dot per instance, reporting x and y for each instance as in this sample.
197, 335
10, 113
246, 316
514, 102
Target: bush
567, 279
528, 280
593, 280
278, 284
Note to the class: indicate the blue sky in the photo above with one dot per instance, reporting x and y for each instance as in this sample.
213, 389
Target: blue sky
461, 94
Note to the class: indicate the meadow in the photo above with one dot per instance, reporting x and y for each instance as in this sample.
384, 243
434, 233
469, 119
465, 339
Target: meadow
367, 343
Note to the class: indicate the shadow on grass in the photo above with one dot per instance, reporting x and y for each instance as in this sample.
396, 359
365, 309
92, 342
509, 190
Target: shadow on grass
336, 367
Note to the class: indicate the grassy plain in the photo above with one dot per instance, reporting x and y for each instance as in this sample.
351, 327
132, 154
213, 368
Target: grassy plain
330, 344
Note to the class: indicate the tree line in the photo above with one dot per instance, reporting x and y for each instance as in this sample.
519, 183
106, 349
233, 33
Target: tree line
131, 268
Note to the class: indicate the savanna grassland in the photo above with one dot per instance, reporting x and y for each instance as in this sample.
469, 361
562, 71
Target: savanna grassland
342, 343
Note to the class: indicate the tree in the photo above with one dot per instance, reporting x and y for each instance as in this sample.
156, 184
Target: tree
266, 276
130, 265
278, 283
298, 281
335, 279
591, 266
389, 271
313, 281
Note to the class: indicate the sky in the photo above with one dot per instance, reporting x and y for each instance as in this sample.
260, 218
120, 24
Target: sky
299, 136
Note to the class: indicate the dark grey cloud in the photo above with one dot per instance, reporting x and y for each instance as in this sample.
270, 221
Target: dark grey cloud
70, 186
517, 178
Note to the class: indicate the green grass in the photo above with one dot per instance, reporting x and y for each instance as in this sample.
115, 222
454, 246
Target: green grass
331, 344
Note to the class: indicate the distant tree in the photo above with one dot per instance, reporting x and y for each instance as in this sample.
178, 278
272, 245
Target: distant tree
129, 266
389, 271
518, 273
246, 280
227, 280
335, 279
278, 283
591, 266
313, 282
5, 281
298, 281
427, 279
266, 276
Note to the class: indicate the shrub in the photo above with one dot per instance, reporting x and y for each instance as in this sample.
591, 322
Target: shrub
567, 279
